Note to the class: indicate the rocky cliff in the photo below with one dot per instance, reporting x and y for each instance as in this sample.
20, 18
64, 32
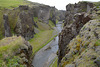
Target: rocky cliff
23, 20
78, 39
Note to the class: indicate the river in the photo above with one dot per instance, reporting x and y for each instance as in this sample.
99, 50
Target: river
45, 55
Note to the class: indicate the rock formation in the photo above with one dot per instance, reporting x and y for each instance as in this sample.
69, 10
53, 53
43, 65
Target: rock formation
6, 26
25, 25
18, 52
75, 19
79, 39
24, 18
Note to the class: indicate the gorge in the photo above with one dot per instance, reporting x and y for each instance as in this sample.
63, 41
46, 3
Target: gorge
38, 35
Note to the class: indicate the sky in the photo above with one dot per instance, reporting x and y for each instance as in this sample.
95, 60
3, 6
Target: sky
59, 4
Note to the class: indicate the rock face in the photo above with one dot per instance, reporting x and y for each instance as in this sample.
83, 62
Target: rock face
53, 15
23, 7
61, 14
25, 52
6, 26
79, 41
23, 19
25, 25
75, 19
83, 51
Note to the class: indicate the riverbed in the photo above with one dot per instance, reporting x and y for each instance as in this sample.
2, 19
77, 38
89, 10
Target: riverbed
45, 55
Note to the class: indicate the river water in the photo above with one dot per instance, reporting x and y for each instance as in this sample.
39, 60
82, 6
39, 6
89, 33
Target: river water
45, 55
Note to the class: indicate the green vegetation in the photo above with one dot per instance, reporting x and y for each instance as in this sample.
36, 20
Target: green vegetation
1, 25
41, 39
97, 43
13, 18
51, 24
97, 4
35, 19
54, 64
9, 46
56, 21
11, 3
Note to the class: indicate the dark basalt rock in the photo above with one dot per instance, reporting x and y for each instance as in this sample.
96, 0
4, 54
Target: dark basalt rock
6, 26
25, 25
23, 7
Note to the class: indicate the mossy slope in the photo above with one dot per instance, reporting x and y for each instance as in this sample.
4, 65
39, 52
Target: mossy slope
82, 50
11, 52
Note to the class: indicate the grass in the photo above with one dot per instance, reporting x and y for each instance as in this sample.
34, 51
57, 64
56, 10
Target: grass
54, 63
56, 21
9, 46
41, 39
11, 3
35, 19
51, 24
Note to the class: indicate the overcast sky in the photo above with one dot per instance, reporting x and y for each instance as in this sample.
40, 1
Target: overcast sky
59, 4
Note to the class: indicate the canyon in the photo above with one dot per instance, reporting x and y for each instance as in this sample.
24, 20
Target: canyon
38, 35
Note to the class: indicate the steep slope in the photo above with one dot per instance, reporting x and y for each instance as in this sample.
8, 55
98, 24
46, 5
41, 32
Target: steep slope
84, 50
26, 19
23, 19
74, 20
15, 52
79, 40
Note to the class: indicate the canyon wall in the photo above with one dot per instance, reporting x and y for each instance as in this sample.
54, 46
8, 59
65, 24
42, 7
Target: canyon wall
23, 19
79, 40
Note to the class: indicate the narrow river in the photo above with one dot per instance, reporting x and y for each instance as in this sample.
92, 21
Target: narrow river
45, 55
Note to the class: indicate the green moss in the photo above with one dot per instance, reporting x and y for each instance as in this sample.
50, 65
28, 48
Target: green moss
13, 18
35, 19
56, 21
43, 26
54, 64
51, 24
1, 25
97, 43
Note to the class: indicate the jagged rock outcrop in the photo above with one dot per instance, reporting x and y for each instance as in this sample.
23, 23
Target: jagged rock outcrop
25, 25
24, 18
23, 7
52, 15
6, 26
79, 41
60, 15
84, 50
42, 12
75, 19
